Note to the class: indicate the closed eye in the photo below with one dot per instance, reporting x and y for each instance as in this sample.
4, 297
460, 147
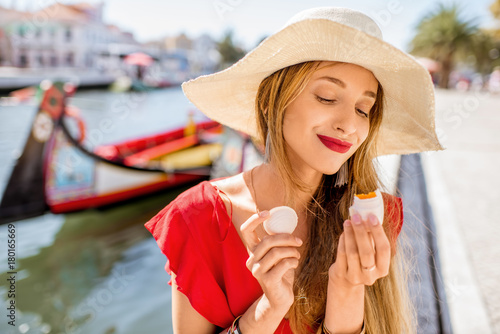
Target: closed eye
326, 101
362, 112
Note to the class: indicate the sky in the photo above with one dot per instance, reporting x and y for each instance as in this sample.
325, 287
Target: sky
251, 20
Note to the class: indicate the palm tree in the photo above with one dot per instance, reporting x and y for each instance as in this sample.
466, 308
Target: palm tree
485, 46
485, 51
230, 53
443, 36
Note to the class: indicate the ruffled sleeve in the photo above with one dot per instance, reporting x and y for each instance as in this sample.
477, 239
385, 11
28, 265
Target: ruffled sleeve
189, 233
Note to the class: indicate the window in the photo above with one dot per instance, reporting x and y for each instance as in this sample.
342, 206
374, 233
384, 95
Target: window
70, 59
53, 61
40, 61
23, 60
88, 60
68, 35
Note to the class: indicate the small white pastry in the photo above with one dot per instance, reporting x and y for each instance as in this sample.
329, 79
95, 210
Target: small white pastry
369, 203
283, 219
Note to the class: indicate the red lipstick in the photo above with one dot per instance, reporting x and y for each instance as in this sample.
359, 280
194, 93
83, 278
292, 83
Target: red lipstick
335, 144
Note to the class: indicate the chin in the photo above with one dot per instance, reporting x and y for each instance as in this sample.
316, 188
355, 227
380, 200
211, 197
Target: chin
329, 170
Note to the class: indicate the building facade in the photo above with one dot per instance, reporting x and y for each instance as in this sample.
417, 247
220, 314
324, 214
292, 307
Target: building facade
71, 36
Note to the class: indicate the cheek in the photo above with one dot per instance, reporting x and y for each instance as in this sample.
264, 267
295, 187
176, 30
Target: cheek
296, 117
304, 115
363, 131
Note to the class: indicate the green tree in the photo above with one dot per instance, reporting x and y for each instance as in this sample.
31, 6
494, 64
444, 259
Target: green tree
229, 52
444, 36
486, 45
485, 51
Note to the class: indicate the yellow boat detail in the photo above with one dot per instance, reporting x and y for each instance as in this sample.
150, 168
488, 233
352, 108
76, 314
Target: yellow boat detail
202, 155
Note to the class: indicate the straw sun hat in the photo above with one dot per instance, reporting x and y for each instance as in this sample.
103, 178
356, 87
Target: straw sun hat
327, 34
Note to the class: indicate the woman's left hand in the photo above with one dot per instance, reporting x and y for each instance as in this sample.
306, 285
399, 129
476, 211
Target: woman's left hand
361, 259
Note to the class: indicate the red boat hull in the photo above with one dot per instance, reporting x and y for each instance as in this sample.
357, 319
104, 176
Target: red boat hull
56, 172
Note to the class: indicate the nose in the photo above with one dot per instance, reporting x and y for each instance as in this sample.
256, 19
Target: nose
346, 121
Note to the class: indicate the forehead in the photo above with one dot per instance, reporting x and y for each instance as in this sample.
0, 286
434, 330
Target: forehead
347, 73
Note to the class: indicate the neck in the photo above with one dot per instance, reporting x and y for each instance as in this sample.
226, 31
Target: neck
270, 188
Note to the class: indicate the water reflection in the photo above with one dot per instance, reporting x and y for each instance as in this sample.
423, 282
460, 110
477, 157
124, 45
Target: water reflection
102, 273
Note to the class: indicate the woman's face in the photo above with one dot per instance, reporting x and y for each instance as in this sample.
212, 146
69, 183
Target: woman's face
328, 120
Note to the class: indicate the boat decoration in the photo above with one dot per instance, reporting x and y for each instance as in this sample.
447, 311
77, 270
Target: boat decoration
57, 172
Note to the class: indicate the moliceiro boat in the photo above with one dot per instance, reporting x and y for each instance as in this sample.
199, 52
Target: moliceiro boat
57, 172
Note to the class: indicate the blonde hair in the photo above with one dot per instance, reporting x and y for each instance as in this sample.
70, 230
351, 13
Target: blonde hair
387, 305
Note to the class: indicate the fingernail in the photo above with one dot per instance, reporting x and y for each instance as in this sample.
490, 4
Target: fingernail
347, 223
373, 219
298, 240
356, 219
263, 214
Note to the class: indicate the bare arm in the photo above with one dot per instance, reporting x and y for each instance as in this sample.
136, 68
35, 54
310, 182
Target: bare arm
185, 319
345, 309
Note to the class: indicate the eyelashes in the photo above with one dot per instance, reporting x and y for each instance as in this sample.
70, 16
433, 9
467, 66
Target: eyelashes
362, 113
333, 101
323, 100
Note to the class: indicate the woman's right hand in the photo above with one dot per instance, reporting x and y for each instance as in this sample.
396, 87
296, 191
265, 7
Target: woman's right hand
272, 261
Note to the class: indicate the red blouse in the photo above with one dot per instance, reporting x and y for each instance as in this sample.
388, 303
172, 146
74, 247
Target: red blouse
208, 256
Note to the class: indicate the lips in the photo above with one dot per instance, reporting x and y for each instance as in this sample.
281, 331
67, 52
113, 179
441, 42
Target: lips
335, 144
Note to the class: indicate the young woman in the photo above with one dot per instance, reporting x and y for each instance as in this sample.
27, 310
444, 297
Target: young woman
325, 95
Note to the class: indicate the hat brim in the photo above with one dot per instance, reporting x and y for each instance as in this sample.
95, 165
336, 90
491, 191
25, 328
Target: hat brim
408, 122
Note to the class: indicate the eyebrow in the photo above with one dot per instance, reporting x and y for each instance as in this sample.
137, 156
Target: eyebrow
342, 84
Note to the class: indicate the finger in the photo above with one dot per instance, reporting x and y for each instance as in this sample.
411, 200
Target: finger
271, 259
363, 241
269, 242
248, 228
351, 249
382, 245
341, 259
277, 272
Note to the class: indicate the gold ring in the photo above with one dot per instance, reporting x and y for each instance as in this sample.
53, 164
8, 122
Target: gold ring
370, 268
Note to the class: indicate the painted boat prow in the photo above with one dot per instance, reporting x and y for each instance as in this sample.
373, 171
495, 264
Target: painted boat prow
24, 195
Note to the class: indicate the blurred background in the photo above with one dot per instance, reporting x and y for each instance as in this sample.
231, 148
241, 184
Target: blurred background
84, 263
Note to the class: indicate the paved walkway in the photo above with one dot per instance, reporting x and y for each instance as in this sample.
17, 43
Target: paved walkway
463, 186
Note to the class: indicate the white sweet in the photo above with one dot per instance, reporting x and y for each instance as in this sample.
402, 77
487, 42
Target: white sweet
366, 206
283, 219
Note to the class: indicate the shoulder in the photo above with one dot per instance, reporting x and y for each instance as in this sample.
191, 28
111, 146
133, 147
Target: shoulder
196, 202
393, 213
232, 185
392, 202
197, 214
230, 189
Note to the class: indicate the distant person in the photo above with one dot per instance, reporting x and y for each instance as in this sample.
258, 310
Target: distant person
140, 72
190, 128
325, 95
494, 81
